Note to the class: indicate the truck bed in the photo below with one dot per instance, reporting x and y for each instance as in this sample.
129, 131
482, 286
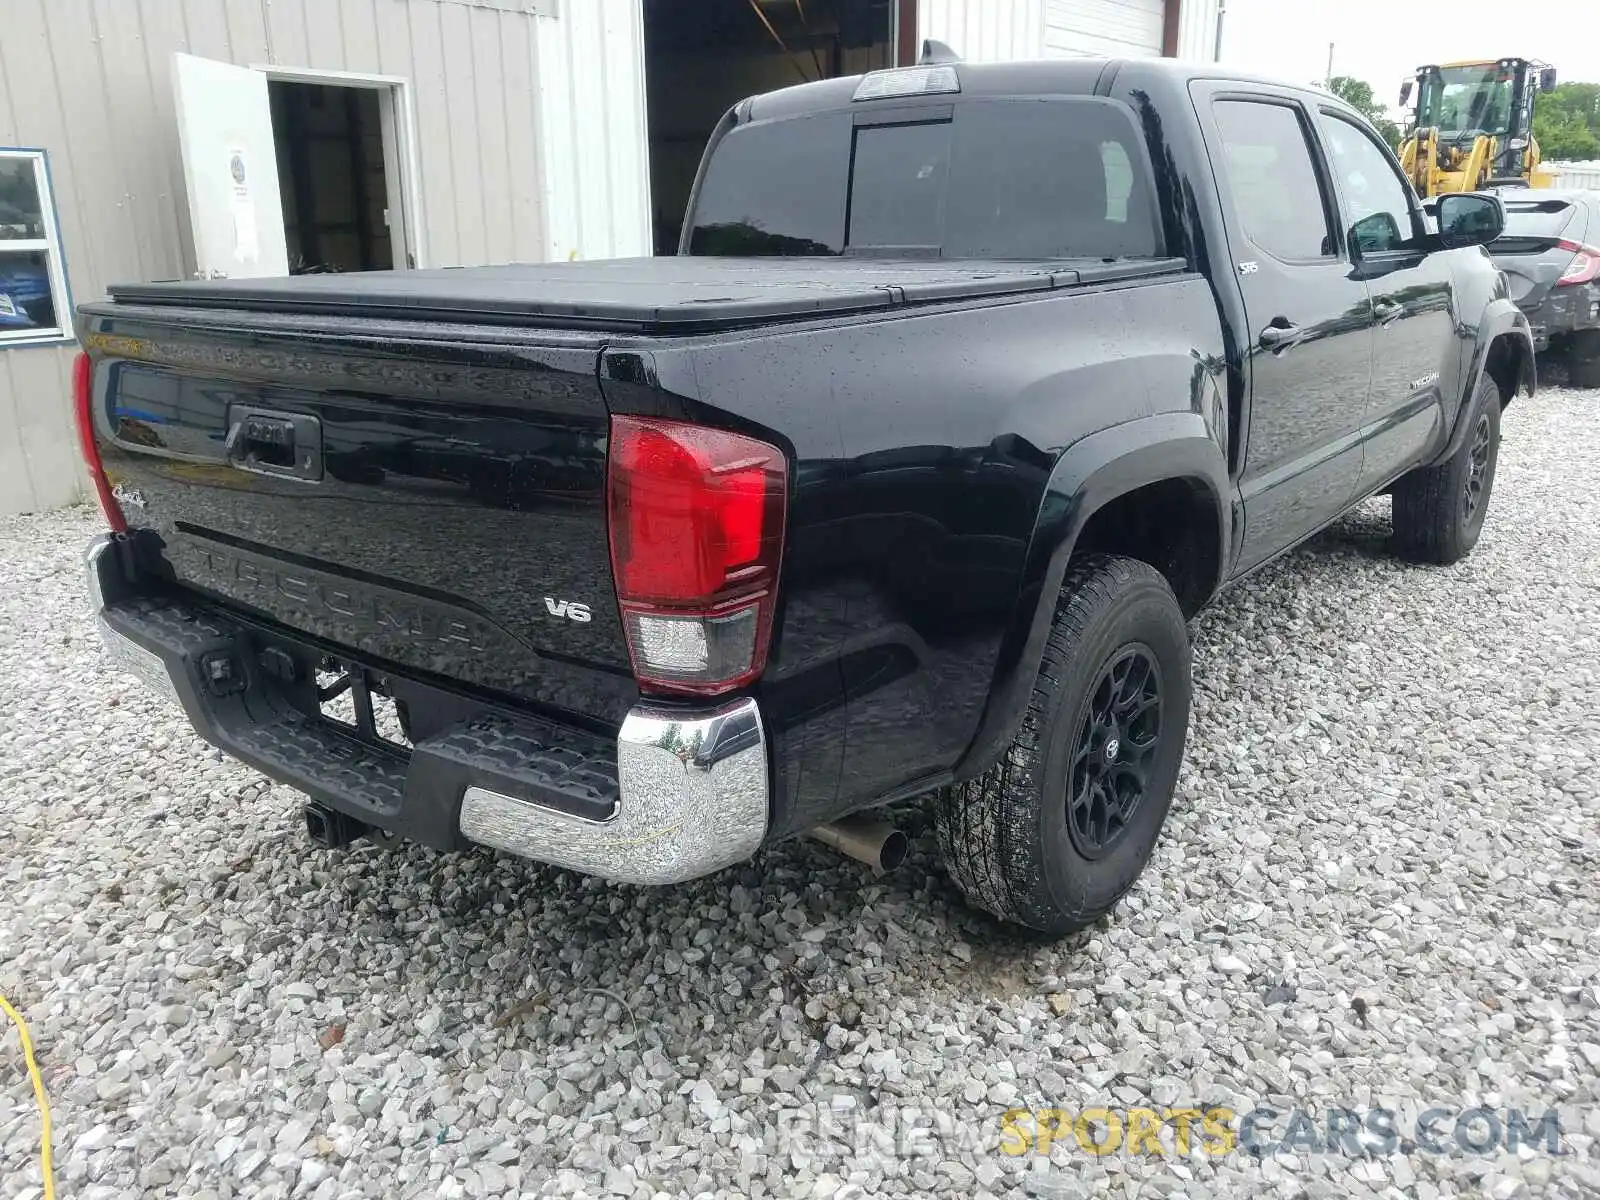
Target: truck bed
646, 295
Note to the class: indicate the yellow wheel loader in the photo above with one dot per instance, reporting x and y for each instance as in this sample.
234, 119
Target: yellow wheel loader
1472, 126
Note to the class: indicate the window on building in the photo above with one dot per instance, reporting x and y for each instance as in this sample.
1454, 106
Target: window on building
33, 286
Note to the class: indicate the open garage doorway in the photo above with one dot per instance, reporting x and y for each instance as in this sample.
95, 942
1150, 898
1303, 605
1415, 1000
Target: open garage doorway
703, 56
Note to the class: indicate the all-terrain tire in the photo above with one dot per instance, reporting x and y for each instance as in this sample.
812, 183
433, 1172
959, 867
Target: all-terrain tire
1439, 510
1011, 838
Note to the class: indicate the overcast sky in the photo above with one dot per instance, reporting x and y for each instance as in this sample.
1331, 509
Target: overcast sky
1384, 41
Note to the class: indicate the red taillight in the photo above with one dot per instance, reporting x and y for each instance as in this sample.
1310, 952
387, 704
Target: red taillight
1584, 267
82, 396
696, 518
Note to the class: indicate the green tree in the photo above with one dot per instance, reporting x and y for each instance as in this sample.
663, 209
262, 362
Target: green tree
1567, 122
1357, 93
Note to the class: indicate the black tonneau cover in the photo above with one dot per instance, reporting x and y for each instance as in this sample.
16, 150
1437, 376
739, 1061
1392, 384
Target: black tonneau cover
665, 295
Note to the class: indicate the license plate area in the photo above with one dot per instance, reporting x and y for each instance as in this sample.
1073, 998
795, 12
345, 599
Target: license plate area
358, 702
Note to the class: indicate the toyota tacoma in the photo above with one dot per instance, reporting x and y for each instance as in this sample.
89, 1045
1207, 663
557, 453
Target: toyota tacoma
969, 385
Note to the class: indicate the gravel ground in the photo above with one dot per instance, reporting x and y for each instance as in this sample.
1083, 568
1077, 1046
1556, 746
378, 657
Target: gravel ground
1378, 888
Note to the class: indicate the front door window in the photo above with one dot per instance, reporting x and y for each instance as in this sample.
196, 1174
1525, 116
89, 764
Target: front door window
1378, 201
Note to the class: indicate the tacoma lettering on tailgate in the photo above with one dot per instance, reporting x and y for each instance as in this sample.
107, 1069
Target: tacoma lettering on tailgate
371, 614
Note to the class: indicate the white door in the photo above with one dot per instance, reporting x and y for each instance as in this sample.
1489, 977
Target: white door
230, 166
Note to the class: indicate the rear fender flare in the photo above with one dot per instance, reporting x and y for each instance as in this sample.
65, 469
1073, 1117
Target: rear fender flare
1087, 476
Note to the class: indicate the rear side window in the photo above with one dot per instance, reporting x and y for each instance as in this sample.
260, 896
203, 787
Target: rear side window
1271, 179
1004, 179
775, 189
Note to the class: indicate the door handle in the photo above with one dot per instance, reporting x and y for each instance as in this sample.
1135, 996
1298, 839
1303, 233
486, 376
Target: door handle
274, 443
1388, 311
1280, 335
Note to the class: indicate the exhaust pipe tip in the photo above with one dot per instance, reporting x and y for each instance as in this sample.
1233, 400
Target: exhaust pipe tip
879, 844
893, 851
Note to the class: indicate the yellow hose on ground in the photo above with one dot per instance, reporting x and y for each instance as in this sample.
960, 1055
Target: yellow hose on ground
38, 1094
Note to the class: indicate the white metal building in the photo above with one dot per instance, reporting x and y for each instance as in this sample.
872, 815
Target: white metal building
1584, 175
165, 138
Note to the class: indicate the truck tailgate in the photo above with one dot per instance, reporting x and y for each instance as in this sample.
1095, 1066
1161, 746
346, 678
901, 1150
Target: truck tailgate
430, 496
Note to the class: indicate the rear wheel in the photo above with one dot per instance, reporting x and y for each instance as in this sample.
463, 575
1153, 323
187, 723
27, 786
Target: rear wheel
1057, 831
1583, 359
1439, 511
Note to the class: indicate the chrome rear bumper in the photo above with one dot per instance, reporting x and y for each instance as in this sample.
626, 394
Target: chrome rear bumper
124, 654
692, 799
678, 794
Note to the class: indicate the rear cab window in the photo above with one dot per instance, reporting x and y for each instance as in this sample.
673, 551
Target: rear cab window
1014, 178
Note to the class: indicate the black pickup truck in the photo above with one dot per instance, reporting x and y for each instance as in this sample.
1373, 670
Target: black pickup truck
969, 385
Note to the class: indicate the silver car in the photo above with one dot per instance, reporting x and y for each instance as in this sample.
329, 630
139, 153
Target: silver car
1550, 252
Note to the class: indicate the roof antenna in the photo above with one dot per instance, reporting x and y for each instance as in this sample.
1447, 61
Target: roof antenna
936, 52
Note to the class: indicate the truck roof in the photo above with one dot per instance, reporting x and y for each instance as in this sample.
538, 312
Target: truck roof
1038, 77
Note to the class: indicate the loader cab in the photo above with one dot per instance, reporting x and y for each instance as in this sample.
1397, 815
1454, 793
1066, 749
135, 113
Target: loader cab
1472, 123
1464, 100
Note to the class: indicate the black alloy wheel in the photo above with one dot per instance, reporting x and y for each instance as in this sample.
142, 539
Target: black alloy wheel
1117, 740
1477, 469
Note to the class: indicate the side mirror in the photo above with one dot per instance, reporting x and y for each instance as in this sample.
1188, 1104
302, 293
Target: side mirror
1468, 219
1405, 93
1376, 233
1547, 79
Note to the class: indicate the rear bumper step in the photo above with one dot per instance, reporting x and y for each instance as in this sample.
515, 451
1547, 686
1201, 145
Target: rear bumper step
675, 795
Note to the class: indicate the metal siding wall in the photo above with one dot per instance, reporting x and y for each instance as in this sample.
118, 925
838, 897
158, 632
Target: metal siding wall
36, 432
1197, 30
96, 75
525, 179
1109, 27
996, 30
984, 30
593, 131
35, 384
